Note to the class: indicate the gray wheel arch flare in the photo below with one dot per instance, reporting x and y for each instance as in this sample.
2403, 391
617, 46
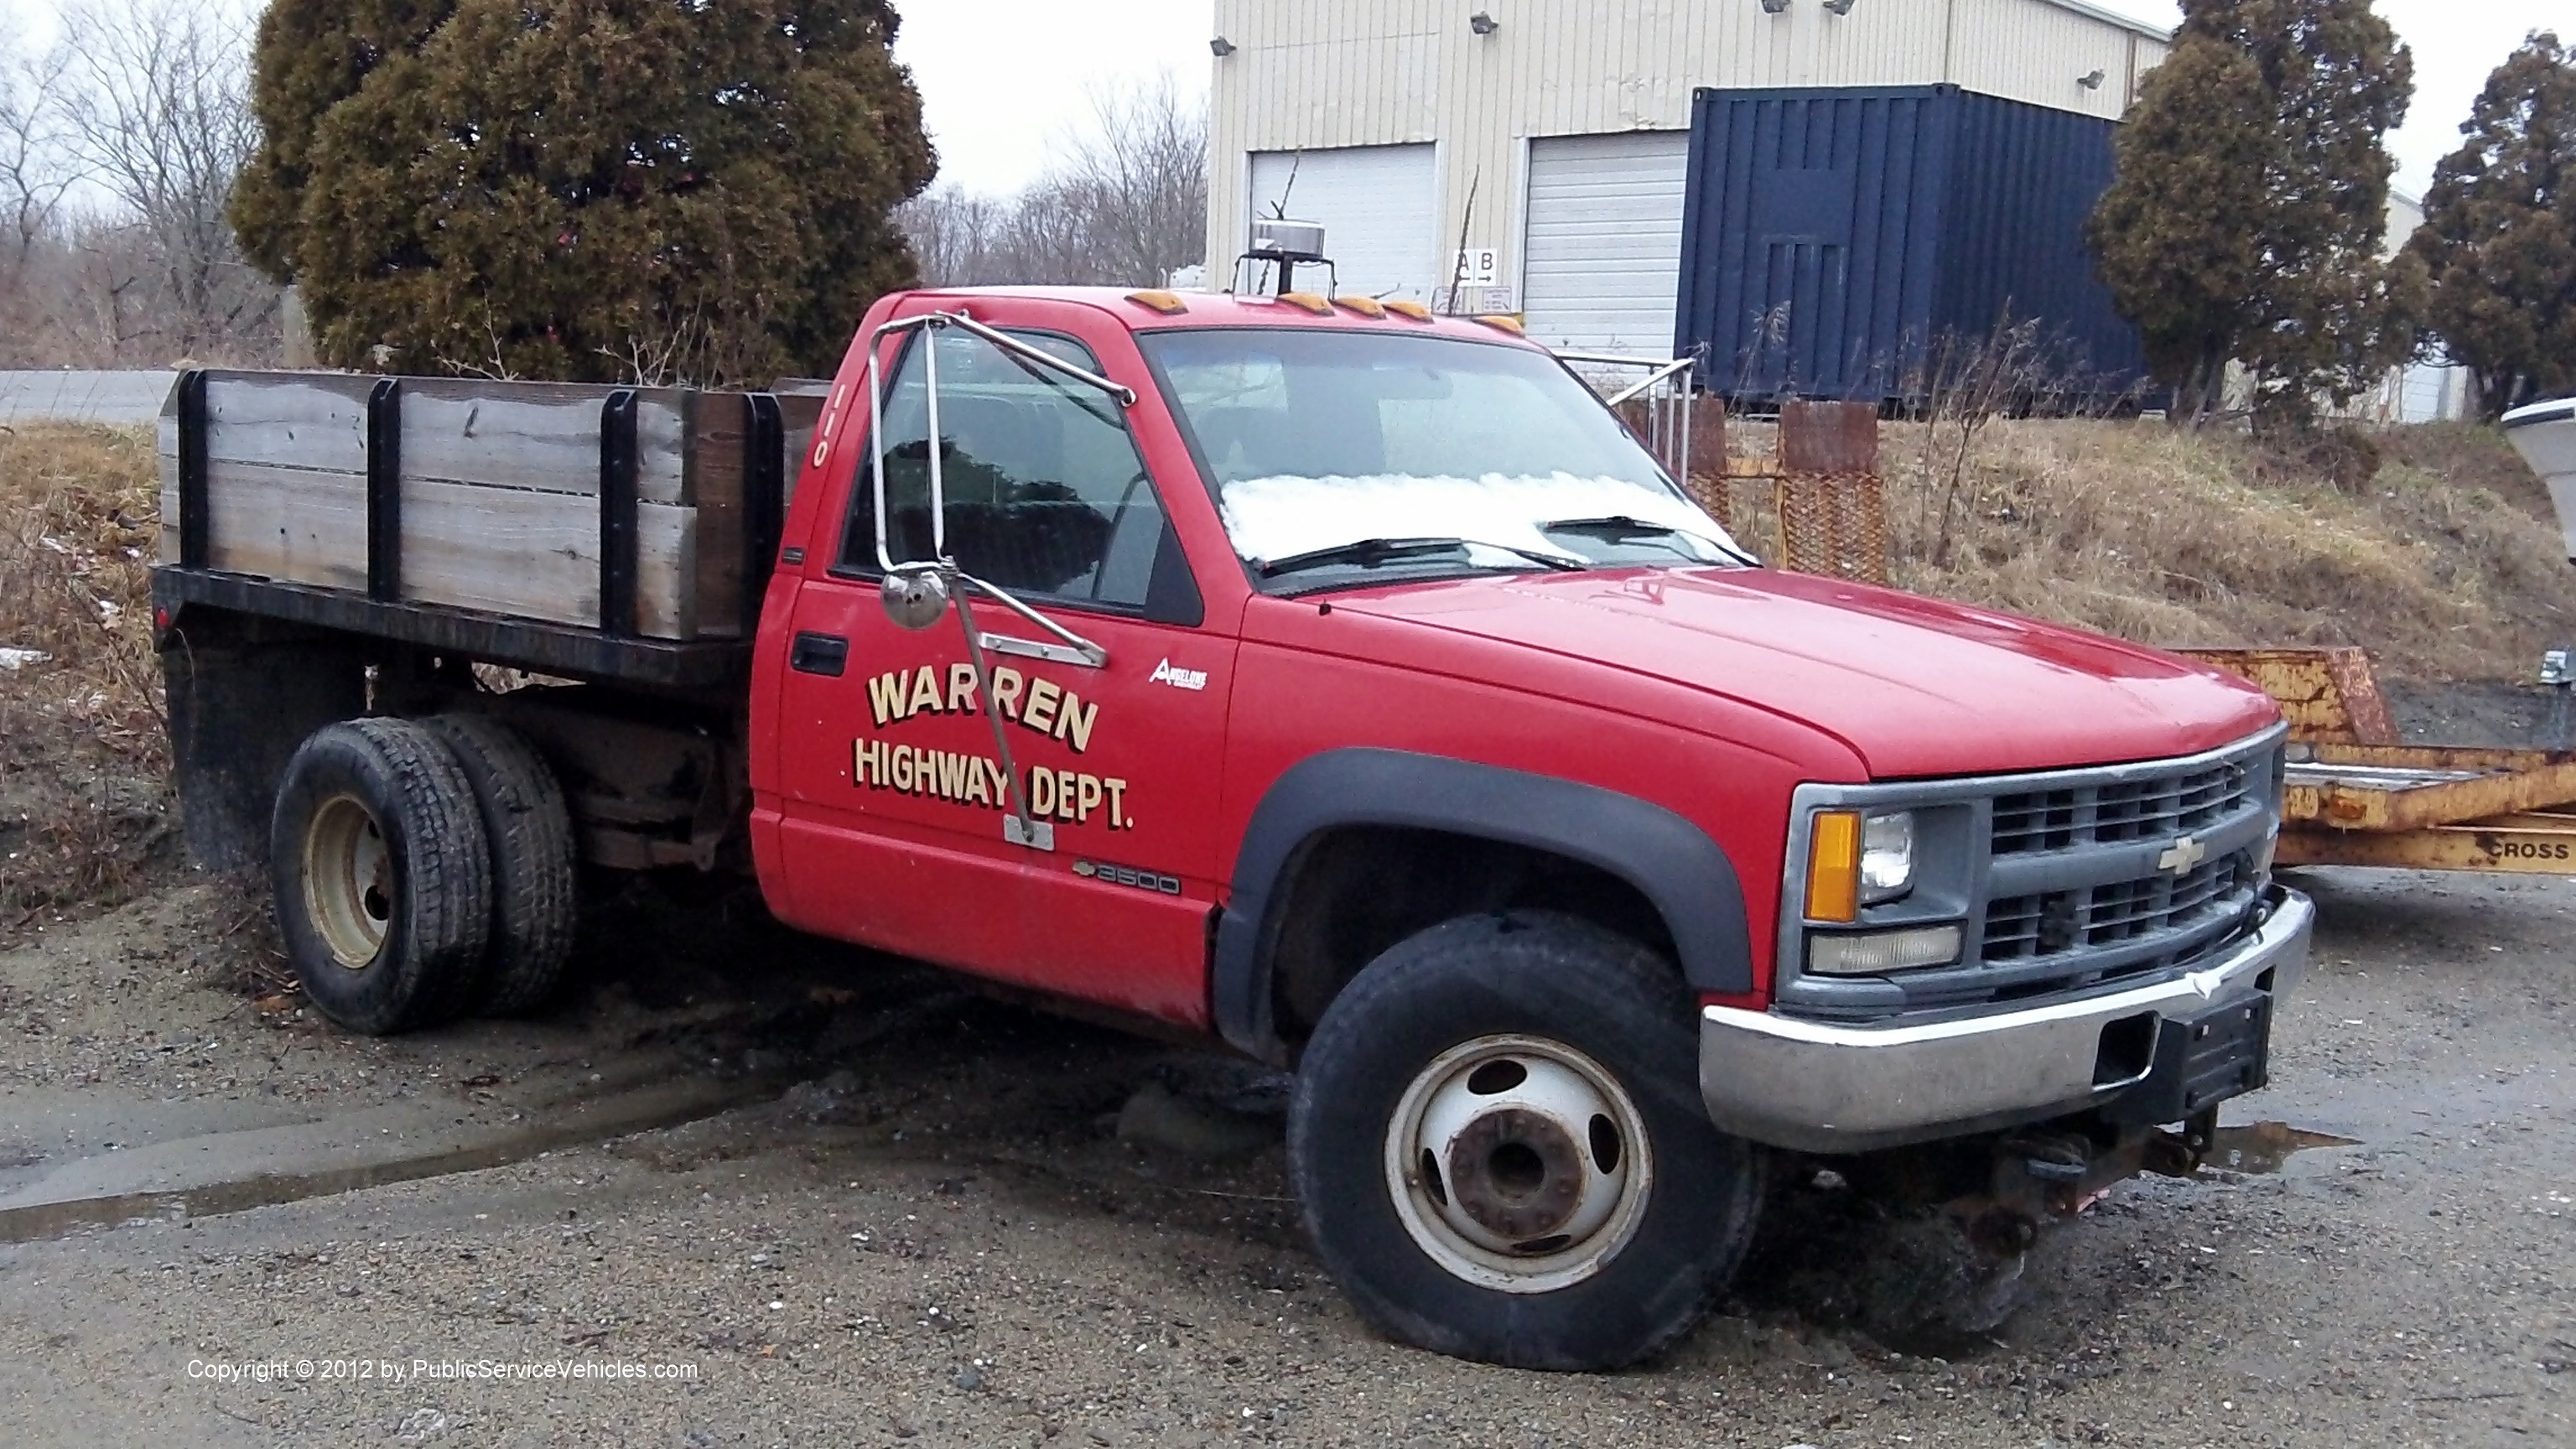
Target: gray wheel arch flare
1672, 862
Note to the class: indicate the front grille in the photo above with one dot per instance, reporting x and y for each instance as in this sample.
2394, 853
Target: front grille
2121, 810
2022, 928
2076, 888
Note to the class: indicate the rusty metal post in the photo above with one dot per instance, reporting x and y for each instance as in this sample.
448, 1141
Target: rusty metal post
1833, 503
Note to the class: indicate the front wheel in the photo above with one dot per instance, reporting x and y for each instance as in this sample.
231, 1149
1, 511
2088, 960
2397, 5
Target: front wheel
1501, 1153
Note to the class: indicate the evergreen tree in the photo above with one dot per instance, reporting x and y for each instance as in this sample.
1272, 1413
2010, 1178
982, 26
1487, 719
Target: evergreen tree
2170, 234
2248, 216
651, 190
311, 55
2499, 234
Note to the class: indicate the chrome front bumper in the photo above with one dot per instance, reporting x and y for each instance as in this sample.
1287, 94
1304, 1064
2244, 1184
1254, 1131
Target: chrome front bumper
1816, 1087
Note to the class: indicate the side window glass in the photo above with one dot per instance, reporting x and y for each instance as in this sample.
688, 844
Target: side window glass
1047, 495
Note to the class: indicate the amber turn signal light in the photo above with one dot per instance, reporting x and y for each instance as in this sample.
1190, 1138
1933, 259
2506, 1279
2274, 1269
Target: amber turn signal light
1833, 866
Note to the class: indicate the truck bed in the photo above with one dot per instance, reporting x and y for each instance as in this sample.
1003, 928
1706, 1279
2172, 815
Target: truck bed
598, 532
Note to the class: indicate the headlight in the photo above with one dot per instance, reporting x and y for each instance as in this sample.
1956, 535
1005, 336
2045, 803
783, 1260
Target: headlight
1855, 860
1886, 857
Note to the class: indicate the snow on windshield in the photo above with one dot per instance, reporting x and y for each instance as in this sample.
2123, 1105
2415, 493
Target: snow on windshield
1281, 517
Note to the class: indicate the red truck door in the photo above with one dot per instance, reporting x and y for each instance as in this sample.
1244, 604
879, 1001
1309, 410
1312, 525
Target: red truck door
895, 786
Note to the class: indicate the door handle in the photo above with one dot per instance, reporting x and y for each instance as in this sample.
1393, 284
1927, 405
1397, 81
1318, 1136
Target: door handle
824, 654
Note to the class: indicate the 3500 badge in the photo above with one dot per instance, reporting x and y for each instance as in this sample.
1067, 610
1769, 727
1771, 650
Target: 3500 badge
1128, 875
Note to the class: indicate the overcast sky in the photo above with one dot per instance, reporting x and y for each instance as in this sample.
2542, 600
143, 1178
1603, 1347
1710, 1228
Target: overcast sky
1004, 81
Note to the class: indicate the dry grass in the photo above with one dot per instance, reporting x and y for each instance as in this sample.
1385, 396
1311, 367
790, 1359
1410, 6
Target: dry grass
2446, 564
84, 806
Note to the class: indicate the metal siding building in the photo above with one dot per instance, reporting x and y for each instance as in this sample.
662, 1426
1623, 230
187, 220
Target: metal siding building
1498, 116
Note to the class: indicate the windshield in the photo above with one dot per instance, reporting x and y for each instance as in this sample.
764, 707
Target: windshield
1359, 452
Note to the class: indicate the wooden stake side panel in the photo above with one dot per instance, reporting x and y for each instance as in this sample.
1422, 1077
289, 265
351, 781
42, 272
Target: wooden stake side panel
499, 489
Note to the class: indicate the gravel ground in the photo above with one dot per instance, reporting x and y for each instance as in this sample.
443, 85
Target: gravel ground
929, 1230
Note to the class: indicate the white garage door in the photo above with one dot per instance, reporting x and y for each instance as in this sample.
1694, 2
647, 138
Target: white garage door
1376, 204
1605, 240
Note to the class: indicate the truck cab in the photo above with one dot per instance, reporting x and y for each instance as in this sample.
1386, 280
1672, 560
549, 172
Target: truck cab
1348, 685
1400, 635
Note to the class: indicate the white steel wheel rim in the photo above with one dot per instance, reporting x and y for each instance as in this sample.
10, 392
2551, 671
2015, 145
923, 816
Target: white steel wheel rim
348, 881
1518, 1163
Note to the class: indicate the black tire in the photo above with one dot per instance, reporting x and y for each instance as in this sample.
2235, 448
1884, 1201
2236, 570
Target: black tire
1562, 980
393, 788
528, 828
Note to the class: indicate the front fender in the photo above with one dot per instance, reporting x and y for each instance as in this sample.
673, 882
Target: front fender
1670, 861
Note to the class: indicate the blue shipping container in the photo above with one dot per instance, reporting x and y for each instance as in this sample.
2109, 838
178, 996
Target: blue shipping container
1834, 240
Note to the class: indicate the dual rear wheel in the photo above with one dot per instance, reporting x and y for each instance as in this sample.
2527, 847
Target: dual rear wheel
423, 869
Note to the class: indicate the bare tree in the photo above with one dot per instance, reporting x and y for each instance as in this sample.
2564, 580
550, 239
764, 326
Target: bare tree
954, 234
1125, 207
1139, 178
158, 110
37, 169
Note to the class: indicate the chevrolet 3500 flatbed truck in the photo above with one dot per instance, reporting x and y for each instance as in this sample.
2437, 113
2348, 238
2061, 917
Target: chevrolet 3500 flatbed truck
1340, 682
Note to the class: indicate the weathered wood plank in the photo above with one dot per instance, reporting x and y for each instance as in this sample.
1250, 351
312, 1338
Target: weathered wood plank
280, 419
296, 524
537, 435
802, 412
716, 479
536, 555
292, 420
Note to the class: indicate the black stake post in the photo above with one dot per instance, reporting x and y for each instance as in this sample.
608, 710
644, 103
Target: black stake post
617, 468
196, 535
384, 491
764, 502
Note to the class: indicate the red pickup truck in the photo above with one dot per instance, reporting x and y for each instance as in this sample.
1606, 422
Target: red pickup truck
1340, 682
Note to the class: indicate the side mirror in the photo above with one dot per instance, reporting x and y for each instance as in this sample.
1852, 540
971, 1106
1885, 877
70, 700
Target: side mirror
914, 598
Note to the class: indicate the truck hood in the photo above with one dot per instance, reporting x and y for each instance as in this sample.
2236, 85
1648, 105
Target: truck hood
1915, 687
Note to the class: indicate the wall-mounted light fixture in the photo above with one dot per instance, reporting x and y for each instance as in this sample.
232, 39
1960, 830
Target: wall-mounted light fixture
2092, 82
1838, 7
1482, 23
1774, 7
1221, 47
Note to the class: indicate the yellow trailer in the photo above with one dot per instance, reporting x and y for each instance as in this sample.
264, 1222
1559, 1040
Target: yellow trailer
2355, 796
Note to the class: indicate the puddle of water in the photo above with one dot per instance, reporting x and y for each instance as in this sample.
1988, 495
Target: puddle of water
2264, 1146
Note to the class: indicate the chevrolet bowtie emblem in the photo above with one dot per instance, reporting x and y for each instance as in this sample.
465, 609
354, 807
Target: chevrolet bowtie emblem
2182, 855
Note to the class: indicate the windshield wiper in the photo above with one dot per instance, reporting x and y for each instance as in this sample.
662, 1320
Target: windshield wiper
1370, 552
1614, 527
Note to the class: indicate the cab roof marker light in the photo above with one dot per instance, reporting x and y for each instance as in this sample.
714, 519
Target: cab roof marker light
1155, 299
1833, 866
1413, 310
1502, 323
1307, 302
1365, 306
